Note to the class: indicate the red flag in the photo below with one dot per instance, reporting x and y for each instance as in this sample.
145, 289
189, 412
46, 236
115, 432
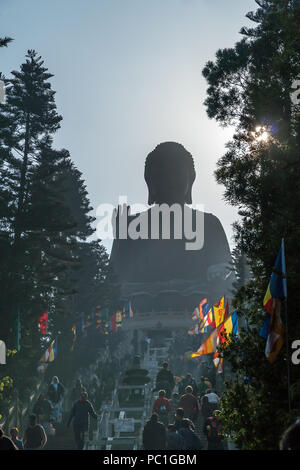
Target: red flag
43, 323
114, 323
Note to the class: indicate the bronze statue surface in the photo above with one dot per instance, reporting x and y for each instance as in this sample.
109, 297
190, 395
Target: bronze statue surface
161, 266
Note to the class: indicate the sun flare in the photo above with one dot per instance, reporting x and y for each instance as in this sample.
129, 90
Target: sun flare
260, 134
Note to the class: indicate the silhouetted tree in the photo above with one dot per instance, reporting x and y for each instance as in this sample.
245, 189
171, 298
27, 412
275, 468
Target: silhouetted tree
251, 86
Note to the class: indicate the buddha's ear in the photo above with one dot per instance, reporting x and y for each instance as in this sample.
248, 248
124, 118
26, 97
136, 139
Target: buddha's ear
188, 198
151, 196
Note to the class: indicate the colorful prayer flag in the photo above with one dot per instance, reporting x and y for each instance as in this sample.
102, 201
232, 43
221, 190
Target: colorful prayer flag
200, 312
218, 361
52, 350
127, 310
50, 353
273, 330
196, 314
219, 312
118, 317
74, 337
209, 320
43, 320
229, 326
113, 322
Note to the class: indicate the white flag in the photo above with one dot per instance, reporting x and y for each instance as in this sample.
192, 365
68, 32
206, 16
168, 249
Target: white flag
2, 352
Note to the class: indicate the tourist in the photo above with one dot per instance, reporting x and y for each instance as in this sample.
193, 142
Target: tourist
34, 437
80, 413
179, 415
190, 439
213, 400
189, 403
165, 380
154, 434
174, 403
55, 394
14, 434
77, 390
213, 430
205, 408
43, 410
174, 439
5, 442
188, 380
201, 387
162, 407
207, 383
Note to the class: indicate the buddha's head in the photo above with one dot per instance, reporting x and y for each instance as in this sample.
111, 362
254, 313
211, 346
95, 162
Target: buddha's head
169, 174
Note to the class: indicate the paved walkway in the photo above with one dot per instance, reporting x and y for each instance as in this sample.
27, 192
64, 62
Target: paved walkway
199, 432
63, 439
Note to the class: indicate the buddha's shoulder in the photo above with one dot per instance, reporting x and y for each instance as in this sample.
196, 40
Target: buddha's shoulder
208, 218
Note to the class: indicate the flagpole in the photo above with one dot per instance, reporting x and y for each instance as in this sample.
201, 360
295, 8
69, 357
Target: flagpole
287, 356
286, 327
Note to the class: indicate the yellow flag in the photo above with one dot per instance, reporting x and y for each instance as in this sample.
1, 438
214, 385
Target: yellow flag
219, 311
118, 317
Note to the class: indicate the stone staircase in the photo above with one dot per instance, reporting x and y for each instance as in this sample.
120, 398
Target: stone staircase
200, 434
63, 439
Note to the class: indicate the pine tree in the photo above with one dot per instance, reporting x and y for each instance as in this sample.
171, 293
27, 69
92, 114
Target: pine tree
47, 260
28, 116
30, 101
5, 41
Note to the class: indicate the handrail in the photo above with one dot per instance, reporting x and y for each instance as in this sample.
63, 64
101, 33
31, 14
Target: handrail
19, 410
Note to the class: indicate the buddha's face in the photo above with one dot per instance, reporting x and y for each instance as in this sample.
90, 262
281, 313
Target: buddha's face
169, 183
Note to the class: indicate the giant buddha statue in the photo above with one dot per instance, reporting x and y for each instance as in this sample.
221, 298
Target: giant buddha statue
158, 272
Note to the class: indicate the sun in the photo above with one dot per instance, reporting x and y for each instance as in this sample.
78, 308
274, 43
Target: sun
260, 134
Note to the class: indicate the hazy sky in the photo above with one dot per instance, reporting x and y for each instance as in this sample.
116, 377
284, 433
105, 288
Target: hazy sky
127, 77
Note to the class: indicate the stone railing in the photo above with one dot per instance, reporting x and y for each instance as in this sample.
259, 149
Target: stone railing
165, 318
20, 410
120, 425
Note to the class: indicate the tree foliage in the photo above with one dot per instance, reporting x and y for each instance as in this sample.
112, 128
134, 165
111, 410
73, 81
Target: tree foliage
48, 262
251, 86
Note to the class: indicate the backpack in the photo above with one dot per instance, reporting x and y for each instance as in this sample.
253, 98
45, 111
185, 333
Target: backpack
162, 409
34, 436
215, 434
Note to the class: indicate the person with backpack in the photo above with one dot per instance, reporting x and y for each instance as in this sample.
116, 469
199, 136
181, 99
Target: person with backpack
205, 408
43, 410
187, 380
179, 416
174, 439
154, 434
190, 439
55, 394
34, 437
165, 380
213, 400
162, 407
213, 431
174, 403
